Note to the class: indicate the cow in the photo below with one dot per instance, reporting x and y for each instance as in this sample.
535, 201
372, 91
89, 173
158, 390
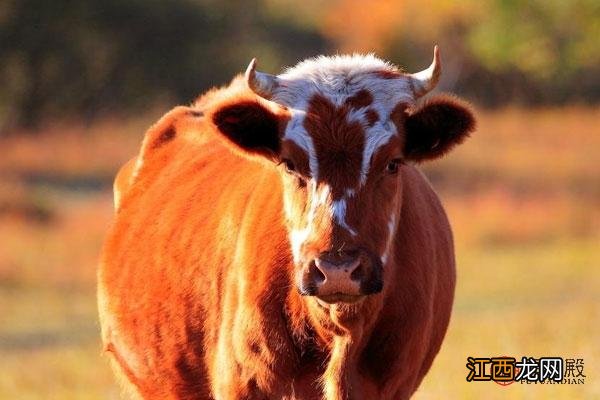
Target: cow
276, 239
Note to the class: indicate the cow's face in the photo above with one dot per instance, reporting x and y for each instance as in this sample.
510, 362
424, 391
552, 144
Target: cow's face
340, 132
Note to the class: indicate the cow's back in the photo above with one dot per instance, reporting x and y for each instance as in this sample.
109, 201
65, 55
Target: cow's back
183, 204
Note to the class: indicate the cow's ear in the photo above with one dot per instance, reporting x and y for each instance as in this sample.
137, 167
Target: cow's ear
436, 126
252, 127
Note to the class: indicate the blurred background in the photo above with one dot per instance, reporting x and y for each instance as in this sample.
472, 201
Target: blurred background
82, 80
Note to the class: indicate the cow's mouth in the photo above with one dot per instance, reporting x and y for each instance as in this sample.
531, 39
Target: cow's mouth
339, 298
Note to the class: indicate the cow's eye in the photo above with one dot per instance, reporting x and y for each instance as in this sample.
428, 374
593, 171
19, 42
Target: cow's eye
392, 167
289, 165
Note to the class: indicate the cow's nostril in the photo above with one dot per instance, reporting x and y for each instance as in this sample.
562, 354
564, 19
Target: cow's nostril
317, 275
358, 273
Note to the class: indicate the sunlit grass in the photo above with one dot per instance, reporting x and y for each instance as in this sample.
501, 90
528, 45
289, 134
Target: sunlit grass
524, 201
49, 334
538, 301
523, 196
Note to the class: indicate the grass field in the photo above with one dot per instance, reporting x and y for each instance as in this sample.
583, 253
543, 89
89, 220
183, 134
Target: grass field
523, 196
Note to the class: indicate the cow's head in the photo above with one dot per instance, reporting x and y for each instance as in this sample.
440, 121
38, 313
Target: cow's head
340, 130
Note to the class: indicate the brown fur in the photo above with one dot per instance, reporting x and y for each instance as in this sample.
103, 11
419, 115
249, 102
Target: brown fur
386, 74
338, 143
363, 98
436, 126
196, 281
372, 117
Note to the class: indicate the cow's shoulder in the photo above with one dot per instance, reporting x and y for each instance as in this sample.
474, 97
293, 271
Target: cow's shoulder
179, 127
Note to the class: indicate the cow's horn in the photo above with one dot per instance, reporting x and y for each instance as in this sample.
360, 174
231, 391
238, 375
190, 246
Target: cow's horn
262, 84
426, 80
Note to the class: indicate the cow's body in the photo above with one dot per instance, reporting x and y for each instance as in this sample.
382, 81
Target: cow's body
196, 289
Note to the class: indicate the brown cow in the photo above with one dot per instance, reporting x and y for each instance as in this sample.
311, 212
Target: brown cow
275, 240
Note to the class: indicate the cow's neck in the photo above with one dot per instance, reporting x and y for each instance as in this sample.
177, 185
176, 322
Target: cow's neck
343, 332
341, 377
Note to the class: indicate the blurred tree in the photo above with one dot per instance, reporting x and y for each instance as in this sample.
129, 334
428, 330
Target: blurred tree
82, 58
549, 47
495, 51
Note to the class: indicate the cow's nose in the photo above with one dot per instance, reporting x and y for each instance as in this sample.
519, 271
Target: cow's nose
339, 275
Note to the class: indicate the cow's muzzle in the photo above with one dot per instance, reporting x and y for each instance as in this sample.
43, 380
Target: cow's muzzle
336, 277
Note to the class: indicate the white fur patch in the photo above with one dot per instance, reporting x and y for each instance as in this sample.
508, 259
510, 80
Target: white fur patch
391, 234
337, 78
338, 210
298, 237
296, 133
319, 198
376, 137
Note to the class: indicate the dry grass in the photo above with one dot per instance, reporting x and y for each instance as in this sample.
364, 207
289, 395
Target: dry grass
523, 196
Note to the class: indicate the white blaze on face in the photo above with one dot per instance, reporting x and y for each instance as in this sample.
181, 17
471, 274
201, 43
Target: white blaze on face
376, 137
338, 78
320, 201
338, 211
296, 133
